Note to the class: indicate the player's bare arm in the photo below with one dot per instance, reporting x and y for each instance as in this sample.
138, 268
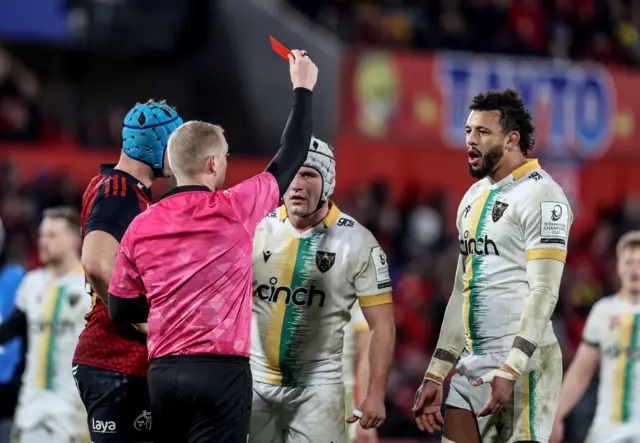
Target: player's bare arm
99, 251
576, 381
382, 339
362, 341
450, 345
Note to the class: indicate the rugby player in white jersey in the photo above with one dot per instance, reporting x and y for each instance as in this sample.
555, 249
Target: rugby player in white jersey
355, 367
513, 227
610, 343
51, 303
311, 264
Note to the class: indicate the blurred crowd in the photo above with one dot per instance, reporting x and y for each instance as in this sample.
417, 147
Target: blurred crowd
422, 257
19, 112
601, 30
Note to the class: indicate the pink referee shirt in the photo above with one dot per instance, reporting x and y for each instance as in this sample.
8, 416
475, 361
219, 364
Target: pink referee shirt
190, 253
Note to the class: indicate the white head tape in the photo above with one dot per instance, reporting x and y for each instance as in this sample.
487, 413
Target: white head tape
321, 159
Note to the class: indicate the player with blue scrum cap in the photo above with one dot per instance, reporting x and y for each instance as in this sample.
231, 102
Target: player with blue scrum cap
110, 363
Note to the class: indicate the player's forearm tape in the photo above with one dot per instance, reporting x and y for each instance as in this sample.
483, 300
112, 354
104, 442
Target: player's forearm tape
544, 277
451, 338
441, 364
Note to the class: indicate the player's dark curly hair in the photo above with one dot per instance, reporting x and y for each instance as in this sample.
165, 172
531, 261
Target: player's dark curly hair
514, 116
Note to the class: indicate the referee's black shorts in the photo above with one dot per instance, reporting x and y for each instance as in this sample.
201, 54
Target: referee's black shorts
200, 398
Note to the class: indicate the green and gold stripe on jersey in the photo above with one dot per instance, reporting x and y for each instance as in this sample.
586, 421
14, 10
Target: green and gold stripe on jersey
474, 264
294, 271
52, 307
623, 382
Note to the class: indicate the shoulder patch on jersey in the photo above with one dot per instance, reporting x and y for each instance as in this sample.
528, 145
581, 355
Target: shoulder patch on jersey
554, 222
380, 262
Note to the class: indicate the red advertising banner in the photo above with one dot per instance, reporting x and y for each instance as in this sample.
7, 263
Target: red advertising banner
582, 110
403, 117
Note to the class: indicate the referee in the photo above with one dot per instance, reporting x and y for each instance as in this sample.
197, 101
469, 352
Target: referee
184, 266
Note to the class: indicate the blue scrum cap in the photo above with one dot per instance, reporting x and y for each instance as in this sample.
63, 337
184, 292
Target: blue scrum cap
146, 132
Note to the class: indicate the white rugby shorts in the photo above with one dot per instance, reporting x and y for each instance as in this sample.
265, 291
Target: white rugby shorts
297, 414
530, 414
623, 433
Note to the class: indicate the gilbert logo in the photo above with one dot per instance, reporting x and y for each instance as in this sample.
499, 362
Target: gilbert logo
103, 426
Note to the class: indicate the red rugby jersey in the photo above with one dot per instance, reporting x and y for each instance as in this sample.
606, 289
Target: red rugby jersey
110, 203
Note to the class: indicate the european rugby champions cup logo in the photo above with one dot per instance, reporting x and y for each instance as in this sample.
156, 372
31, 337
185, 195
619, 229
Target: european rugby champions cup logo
143, 421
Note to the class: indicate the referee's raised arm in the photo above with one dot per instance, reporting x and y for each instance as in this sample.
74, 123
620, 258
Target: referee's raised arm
296, 137
185, 266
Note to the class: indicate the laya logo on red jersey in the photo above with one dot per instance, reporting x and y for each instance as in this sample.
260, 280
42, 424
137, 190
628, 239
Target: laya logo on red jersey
103, 426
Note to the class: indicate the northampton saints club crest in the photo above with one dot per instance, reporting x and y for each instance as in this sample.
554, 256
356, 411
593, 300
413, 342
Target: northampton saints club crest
498, 210
325, 260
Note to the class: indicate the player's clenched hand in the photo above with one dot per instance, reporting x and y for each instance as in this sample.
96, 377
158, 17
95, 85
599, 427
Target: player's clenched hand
501, 390
426, 407
373, 413
304, 73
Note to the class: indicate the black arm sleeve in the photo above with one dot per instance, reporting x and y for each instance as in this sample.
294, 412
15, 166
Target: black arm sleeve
296, 138
15, 326
113, 213
128, 310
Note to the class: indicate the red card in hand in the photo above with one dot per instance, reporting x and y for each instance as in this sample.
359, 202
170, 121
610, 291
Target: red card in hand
280, 50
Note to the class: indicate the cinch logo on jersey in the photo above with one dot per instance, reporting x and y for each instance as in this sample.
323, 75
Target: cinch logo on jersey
480, 246
297, 296
103, 427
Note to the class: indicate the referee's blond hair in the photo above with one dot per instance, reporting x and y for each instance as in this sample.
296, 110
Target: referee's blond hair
629, 240
190, 145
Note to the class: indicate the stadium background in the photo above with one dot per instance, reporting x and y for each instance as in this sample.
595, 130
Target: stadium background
395, 80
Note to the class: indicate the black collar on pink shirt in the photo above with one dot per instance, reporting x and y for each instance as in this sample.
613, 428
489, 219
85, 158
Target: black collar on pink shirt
181, 189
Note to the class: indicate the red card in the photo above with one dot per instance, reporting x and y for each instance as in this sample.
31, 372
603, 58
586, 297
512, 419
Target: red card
280, 50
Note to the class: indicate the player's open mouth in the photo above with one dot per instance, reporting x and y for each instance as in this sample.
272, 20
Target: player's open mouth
296, 199
474, 158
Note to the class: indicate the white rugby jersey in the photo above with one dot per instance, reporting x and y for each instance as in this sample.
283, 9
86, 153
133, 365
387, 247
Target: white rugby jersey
55, 310
614, 327
356, 324
501, 226
304, 288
